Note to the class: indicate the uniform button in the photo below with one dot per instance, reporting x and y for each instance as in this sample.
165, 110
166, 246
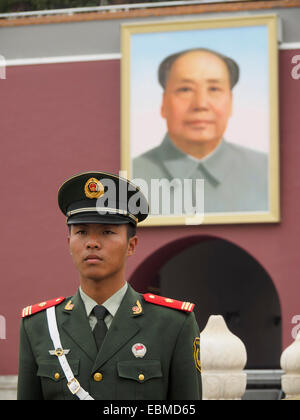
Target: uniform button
98, 377
56, 376
141, 377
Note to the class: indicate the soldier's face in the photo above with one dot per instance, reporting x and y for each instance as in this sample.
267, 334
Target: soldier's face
100, 251
197, 101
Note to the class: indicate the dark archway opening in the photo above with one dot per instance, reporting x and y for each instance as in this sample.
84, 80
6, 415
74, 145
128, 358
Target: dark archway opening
221, 279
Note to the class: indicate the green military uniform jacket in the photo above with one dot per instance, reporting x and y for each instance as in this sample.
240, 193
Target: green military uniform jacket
170, 369
235, 177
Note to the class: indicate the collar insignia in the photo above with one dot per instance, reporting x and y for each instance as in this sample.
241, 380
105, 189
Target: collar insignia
69, 306
137, 310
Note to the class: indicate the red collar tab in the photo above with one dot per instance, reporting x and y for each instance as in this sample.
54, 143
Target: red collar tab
170, 303
33, 309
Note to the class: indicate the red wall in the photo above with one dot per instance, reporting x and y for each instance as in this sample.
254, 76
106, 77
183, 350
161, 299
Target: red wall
60, 119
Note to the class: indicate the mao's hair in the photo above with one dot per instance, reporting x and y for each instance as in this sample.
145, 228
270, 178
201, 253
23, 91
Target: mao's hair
167, 63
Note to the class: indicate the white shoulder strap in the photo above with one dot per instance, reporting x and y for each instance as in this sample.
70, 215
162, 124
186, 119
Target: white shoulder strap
73, 384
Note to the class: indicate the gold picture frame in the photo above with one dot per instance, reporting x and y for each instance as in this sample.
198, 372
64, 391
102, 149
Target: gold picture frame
142, 34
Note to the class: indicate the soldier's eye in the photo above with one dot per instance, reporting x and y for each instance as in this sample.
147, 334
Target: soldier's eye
108, 232
81, 232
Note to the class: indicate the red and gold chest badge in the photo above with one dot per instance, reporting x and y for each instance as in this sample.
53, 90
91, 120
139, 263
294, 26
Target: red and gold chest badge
93, 188
139, 350
197, 353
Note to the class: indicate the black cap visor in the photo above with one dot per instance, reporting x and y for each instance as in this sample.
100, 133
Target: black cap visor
94, 217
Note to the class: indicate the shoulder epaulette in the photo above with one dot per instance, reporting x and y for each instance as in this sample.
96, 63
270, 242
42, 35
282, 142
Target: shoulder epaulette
33, 309
170, 303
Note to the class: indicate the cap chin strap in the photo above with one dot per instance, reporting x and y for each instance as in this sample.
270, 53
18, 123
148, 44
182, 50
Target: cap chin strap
102, 210
73, 384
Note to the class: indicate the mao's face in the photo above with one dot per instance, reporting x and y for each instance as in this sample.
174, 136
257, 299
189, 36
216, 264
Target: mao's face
197, 101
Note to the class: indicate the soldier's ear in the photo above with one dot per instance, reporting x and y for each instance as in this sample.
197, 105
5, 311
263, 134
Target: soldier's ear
69, 234
132, 244
68, 240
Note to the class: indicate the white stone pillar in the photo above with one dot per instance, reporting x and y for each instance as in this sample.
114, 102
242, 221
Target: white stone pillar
223, 358
8, 387
290, 364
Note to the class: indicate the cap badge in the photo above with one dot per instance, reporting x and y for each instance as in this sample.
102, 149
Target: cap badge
139, 350
93, 188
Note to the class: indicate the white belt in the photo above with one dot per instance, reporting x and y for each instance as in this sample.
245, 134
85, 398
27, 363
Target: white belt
73, 384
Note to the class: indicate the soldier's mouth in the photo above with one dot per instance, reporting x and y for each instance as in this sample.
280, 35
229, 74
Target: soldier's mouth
93, 258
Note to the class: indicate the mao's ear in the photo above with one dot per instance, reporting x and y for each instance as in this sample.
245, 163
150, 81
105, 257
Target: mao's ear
163, 106
231, 105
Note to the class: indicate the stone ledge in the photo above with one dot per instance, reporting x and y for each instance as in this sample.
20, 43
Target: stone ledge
8, 387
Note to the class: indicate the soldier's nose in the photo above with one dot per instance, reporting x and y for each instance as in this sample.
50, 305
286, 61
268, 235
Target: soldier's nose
93, 244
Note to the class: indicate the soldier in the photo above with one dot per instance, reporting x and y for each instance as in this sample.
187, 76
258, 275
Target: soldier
107, 342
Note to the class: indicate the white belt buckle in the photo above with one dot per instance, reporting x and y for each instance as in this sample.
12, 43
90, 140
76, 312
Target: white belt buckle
74, 386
